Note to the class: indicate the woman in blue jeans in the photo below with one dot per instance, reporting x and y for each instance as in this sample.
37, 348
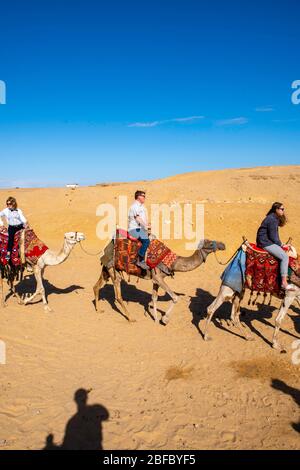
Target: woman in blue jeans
268, 239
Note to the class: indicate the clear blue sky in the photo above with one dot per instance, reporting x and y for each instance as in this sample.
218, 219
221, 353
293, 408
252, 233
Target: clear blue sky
126, 90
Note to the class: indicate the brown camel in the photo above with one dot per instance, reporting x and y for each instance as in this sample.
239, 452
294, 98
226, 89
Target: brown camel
181, 264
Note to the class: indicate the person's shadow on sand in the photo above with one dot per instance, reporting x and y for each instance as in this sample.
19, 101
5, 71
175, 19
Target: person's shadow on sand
84, 430
293, 392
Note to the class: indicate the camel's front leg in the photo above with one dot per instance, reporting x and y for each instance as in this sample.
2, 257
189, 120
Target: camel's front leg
38, 273
285, 305
161, 283
211, 309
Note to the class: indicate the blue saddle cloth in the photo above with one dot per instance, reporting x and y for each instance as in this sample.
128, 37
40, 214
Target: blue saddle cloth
234, 274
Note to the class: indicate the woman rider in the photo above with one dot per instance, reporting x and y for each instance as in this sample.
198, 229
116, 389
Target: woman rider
268, 239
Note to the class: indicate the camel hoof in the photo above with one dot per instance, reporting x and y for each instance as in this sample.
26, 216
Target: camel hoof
207, 338
279, 348
99, 310
131, 320
165, 320
249, 338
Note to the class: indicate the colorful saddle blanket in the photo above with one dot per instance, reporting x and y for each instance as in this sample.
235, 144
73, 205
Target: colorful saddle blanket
262, 271
126, 252
34, 247
294, 271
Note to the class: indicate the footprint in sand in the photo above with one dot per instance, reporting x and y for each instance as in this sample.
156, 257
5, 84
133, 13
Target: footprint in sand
228, 436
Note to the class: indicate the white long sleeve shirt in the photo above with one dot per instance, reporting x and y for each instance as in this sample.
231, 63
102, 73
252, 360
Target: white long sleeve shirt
137, 209
14, 217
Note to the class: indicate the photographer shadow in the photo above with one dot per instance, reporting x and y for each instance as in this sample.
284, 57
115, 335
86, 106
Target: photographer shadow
84, 429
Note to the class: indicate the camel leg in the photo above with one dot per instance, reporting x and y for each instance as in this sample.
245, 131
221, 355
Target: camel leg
285, 305
97, 288
3, 304
154, 301
38, 273
222, 296
235, 318
161, 283
118, 295
14, 293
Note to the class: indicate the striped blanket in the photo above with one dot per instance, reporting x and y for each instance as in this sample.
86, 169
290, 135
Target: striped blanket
126, 250
34, 247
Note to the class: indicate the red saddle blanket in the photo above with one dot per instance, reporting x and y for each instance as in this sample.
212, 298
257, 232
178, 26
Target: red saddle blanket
34, 247
262, 271
126, 252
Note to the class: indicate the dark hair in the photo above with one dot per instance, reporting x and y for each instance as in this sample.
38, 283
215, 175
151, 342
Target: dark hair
139, 193
12, 201
282, 218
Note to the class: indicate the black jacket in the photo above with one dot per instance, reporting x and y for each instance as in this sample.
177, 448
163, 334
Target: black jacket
267, 233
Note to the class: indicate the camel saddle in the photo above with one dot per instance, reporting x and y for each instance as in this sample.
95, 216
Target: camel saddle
294, 271
262, 270
126, 254
26, 245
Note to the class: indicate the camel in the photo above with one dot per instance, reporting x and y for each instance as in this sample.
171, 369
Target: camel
49, 258
227, 294
181, 264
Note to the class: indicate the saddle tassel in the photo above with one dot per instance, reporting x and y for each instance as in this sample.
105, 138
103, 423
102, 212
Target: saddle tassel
256, 298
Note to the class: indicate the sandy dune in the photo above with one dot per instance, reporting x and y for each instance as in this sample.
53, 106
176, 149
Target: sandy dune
158, 387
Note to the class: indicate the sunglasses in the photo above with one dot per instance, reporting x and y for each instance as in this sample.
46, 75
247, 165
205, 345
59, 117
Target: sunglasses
281, 208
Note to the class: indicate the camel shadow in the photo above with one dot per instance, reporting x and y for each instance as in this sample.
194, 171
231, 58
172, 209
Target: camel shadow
28, 286
131, 293
198, 308
293, 392
83, 430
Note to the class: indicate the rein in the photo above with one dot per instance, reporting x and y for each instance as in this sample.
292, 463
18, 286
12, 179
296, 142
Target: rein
230, 259
88, 253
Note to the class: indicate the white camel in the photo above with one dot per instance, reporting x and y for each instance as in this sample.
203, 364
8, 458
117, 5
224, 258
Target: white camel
228, 294
49, 258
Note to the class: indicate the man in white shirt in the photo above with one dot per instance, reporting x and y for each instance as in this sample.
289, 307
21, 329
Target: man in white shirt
138, 226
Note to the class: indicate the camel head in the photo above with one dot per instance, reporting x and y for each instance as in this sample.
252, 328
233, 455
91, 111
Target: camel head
74, 237
211, 246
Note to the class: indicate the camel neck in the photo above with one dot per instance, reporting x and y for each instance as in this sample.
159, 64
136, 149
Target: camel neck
64, 252
189, 263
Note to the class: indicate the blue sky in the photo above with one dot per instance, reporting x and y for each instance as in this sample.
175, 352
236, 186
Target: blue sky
126, 90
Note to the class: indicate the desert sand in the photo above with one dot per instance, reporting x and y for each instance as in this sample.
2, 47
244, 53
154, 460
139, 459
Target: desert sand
159, 387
